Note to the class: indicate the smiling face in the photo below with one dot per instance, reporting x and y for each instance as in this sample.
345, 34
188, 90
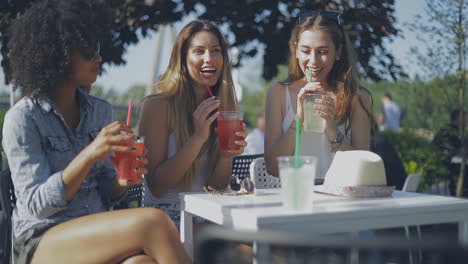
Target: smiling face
205, 59
316, 53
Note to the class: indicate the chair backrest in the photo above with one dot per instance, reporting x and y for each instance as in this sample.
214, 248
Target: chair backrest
7, 200
260, 176
241, 165
133, 199
412, 182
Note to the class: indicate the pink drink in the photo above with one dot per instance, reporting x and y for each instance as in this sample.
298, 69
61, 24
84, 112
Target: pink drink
126, 162
228, 125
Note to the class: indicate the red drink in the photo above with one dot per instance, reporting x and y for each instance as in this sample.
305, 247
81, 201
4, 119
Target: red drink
226, 133
126, 162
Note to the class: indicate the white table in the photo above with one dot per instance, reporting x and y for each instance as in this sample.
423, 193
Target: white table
327, 214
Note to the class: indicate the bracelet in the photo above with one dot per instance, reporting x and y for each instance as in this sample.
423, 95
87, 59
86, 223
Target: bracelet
336, 143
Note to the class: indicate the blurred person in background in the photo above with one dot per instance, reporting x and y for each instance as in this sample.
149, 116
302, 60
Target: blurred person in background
391, 113
447, 139
394, 169
255, 139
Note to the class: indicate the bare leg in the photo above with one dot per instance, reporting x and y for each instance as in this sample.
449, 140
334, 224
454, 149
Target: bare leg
139, 259
112, 237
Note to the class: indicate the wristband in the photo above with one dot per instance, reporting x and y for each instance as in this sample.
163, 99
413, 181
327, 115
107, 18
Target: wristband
336, 143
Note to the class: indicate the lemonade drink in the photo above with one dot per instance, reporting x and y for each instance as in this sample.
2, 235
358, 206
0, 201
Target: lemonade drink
312, 121
297, 184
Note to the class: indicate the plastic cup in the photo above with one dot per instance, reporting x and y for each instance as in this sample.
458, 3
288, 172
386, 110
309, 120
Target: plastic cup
126, 162
228, 124
312, 121
297, 183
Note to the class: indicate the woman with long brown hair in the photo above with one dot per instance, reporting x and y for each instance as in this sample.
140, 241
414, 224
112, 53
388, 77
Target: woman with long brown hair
321, 61
179, 121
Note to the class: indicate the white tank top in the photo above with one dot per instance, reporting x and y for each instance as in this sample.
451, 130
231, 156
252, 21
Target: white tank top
314, 144
171, 199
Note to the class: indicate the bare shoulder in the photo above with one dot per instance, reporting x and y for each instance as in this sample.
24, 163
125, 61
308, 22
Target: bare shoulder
276, 93
155, 102
276, 88
364, 93
365, 98
154, 108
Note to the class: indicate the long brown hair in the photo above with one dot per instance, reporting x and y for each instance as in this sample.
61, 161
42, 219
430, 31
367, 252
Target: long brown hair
177, 87
343, 79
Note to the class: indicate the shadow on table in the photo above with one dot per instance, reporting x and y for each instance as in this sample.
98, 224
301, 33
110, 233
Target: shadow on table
219, 245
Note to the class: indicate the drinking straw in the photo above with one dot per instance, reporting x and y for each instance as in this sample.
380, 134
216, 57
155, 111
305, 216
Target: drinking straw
296, 160
211, 94
129, 112
308, 120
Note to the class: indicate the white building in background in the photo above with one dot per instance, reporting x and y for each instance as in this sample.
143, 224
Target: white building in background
235, 72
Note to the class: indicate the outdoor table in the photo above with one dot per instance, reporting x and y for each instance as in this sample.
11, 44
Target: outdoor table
327, 214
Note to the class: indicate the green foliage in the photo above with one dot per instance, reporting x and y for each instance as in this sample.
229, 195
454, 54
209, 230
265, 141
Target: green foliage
253, 101
444, 29
120, 102
425, 105
418, 155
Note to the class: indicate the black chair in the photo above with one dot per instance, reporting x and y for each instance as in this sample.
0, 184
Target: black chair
220, 245
133, 199
241, 165
7, 200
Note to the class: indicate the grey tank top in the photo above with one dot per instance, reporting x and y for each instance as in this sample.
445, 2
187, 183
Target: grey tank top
313, 144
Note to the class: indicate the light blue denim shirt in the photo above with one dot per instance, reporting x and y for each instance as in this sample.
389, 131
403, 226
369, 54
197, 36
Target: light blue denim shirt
39, 146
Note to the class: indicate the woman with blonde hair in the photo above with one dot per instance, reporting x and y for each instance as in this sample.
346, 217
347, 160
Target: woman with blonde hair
321, 61
179, 121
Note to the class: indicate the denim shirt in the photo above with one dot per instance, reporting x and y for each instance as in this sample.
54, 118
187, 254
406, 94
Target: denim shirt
39, 146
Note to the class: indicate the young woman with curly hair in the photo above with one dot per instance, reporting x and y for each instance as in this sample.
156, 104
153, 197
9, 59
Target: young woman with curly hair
320, 61
179, 121
58, 140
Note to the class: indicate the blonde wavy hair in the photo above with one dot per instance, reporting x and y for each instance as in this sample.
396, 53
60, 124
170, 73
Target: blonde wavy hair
177, 87
343, 79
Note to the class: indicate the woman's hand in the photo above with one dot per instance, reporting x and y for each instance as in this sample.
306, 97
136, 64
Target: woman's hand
312, 87
107, 141
240, 142
142, 162
326, 109
202, 120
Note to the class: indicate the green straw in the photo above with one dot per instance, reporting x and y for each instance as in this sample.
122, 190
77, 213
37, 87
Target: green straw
298, 142
296, 160
308, 120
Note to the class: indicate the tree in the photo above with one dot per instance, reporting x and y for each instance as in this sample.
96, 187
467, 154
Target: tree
369, 23
270, 22
446, 51
129, 17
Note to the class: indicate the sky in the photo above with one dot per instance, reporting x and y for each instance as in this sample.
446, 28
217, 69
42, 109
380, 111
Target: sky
139, 67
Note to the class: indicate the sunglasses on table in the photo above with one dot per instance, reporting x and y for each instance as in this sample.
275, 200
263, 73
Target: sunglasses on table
330, 15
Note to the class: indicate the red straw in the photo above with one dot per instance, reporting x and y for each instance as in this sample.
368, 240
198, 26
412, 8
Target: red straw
129, 112
211, 94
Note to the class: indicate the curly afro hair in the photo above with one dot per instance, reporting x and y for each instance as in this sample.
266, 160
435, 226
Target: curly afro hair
43, 38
